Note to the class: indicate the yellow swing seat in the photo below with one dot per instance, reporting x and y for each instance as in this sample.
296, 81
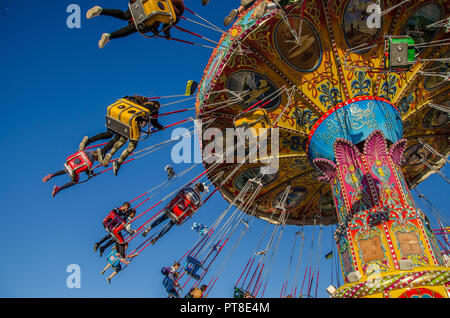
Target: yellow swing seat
122, 118
148, 13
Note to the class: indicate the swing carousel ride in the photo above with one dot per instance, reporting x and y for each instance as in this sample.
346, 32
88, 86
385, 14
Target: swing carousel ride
359, 126
360, 101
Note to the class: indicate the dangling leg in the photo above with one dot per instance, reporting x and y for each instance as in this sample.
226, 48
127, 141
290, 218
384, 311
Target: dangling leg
104, 270
103, 240
57, 189
131, 147
115, 13
111, 276
101, 152
104, 247
120, 248
89, 140
51, 175
155, 223
117, 145
164, 230
129, 29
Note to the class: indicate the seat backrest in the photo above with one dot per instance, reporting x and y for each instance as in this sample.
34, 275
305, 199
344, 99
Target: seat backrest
168, 283
112, 222
113, 258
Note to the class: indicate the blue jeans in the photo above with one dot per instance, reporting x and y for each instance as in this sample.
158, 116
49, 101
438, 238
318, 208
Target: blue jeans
166, 227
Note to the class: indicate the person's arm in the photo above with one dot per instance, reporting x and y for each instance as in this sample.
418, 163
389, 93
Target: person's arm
154, 112
128, 228
166, 31
154, 120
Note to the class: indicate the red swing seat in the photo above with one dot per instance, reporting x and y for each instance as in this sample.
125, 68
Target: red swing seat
114, 224
183, 205
78, 163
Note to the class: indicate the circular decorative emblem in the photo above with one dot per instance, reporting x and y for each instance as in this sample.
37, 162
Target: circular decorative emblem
357, 30
303, 54
435, 118
415, 153
416, 25
253, 87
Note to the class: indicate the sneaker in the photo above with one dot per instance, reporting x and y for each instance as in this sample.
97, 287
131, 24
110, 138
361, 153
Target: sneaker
55, 191
104, 40
205, 2
153, 241
93, 12
83, 143
230, 18
144, 234
109, 280
46, 178
245, 3
105, 161
99, 155
102, 249
260, 10
95, 247
116, 167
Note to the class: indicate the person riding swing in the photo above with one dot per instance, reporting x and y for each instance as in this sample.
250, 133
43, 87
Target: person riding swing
143, 16
75, 165
181, 208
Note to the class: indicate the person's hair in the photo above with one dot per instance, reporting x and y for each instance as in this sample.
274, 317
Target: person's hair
156, 103
139, 98
203, 287
200, 187
176, 264
126, 203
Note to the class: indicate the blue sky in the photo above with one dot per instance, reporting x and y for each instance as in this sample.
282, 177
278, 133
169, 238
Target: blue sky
56, 84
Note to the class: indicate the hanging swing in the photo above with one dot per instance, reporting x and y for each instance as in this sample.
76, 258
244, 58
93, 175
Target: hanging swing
114, 224
183, 205
192, 267
124, 118
148, 14
78, 163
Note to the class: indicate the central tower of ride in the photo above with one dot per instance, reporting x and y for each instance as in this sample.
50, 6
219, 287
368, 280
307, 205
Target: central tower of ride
386, 246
